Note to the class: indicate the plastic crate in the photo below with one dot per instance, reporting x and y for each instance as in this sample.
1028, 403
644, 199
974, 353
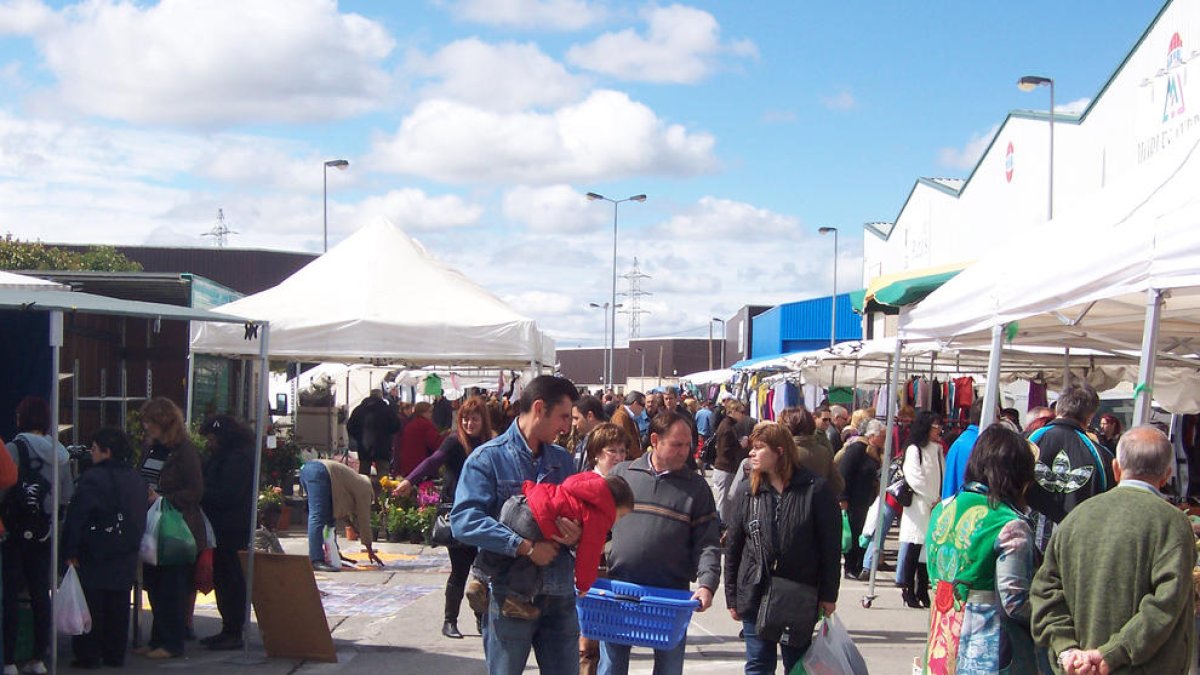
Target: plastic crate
639, 616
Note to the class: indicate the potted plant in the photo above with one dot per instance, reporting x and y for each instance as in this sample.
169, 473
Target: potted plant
280, 464
395, 524
426, 515
270, 507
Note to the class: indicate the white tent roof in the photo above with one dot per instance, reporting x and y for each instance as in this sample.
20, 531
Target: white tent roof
1082, 279
10, 280
379, 297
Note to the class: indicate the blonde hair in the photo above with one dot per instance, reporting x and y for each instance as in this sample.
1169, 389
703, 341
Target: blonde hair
861, 417
164, 414
779, 439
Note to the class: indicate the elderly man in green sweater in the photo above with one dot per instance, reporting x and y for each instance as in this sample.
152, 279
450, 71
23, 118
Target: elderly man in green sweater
1115, 592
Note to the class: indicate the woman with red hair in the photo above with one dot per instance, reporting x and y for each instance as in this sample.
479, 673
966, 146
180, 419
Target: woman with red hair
473, 429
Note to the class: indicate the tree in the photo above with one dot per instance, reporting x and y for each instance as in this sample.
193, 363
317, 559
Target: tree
21, 255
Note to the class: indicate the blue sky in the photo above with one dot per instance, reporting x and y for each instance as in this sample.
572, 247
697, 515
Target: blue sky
478, 125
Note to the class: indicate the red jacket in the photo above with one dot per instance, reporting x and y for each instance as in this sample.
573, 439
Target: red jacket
584, 497
418, 440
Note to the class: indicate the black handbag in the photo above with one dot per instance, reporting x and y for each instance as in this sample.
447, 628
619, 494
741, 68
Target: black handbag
901, 491
788, 613
788, 610
441, 535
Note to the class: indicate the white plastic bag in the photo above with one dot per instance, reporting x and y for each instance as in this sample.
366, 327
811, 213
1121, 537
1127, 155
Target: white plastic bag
148, 551
833, 652
332, 555
71, 615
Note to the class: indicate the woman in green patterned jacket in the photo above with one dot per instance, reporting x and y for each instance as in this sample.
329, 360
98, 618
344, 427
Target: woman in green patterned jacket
981, 562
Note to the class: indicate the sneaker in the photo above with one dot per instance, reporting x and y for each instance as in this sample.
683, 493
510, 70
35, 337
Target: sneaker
35, 667
519, 609
226, 643
11, 669
325, 567
477, 596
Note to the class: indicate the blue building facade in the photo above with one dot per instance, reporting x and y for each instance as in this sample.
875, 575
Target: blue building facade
803, 326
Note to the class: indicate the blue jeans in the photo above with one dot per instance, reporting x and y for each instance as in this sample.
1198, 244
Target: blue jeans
614, 659
315, 479
889, 517
760, 654
553, 636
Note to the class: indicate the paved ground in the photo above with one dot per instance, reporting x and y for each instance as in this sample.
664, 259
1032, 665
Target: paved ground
390, 621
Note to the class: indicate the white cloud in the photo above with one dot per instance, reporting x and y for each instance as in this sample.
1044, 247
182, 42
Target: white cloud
566, 15
841, 100
605, 136
724, 219
207, 62
681, 45
1073, 107
506, 77
25, 17
413, 210
554, 208
966, 157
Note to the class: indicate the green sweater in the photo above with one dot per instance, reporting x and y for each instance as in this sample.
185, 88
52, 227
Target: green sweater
1118, 578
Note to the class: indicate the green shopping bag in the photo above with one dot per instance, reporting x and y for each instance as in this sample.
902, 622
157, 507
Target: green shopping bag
176, 545
847, 538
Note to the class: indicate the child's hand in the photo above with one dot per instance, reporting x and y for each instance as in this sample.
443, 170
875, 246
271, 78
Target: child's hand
582, 594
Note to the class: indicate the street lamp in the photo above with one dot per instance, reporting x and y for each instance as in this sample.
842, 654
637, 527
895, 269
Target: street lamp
604, 368
592, 196
717, 318
1029, 83
639, 350
833, 305
341, 165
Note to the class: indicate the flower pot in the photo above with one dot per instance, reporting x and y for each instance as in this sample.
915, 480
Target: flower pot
416, 537
351, 533
395, 536
270, 516
285, 518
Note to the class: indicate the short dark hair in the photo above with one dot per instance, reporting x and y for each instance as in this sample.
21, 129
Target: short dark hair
622, 494
1003, 461
590, 404
548, 389
798, 421
115, 441
976, 414
1079, 402
664, 420
1012, 415
635, 397
33, 414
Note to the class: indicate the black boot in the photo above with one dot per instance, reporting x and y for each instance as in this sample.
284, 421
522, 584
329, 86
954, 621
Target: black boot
923, 586
454, 596
910, 597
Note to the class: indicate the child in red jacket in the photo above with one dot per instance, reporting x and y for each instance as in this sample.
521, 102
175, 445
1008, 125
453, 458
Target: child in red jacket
595, 501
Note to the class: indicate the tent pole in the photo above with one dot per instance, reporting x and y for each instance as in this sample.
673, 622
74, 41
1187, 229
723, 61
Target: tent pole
260, 428
884, 464
56, 342
1066, 368
854, 390
992, 393
191, 376
1144, 394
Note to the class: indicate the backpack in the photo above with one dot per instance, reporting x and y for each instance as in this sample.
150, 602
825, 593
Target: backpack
21, 508
708, 451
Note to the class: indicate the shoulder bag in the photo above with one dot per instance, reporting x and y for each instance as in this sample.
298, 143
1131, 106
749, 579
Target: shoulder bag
788, 611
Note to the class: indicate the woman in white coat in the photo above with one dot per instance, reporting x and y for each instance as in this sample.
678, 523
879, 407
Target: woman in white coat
924, 465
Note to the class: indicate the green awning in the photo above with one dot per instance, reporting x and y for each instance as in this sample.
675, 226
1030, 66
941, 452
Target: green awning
908, 291
858, 299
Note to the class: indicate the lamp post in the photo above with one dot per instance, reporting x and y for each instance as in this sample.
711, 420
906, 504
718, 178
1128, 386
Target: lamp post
833, 304
642, 376
604, 368
592, 196
341, 165
1029, 83
717, 318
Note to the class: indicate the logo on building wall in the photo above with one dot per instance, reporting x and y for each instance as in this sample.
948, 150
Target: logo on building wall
1173, 104
1008, 163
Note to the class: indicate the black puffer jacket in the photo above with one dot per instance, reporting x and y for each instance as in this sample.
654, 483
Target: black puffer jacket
806, 531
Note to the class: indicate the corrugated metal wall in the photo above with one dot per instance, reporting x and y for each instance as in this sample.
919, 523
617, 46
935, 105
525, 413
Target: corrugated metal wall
803, 325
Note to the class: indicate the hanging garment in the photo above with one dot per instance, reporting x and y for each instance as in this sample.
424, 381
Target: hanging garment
432, 386
1037, 395
964, 394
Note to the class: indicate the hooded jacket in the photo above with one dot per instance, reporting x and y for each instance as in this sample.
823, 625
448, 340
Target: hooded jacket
43, 448
584, 497
1071, 467
229, 494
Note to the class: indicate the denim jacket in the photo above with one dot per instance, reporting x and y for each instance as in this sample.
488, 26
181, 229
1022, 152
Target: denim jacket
493, 473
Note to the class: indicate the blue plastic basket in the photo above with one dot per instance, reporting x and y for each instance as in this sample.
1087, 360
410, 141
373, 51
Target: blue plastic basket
639, 616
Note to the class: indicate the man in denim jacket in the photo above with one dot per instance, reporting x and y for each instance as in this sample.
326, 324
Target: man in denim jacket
493, 473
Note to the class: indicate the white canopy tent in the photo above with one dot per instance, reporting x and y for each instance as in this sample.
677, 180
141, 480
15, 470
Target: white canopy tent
344, 307
1120, 273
